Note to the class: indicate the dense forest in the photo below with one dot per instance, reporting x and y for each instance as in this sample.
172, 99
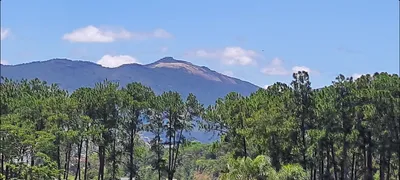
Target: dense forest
347, 130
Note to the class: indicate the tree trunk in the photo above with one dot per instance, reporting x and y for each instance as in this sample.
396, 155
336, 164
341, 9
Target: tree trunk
131, 150
275, 156
68, 157
171, 171
6, 173
321, 165
388, 166
303, 137
86, 159
176, 153
2, 163
355, 170
313, 166
244, 147
315, 173
114, 160
65, 163
334, 162
32, 158
101, 161
59, 160
311, 174
170, 134
2, 157
58, 139
368, 174
21, 160
32, 163
158, 157
243, 139
328, 164
159, 174
343, 164
364, 155
78, 169
397, 131
353, 166
382, 164
398, 161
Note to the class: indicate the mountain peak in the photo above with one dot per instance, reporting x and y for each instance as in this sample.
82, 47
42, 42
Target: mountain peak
167, 59
201, 71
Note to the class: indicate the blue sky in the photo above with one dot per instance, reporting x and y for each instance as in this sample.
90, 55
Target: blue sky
261, 41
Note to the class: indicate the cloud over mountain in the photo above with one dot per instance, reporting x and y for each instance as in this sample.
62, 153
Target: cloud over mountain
3, 62
92, 34
116, 61
232, 55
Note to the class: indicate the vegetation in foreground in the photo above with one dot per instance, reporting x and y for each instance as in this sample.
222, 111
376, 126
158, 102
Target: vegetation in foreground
348, 130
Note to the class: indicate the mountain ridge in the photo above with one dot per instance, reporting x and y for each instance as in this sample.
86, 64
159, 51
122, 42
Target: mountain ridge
165, 74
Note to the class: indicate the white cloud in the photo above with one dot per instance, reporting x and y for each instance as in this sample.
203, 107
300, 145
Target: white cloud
275, 68
116, 61
229, 55
228, 73
265, 86
105, 35
300, 68
356, 76
158, 33
3, 62
4, 33
164, 49
90, 34
296, 69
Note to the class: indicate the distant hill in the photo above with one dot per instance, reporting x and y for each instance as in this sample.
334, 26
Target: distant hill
163, 75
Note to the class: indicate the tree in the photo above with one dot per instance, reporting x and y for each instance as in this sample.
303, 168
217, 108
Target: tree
226, 117
157, 128
86, 106
274, 122
179, 117
347, 130
107, 102
136, 101
302, 93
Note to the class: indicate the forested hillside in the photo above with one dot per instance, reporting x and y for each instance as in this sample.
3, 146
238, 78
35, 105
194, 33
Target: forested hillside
348, 130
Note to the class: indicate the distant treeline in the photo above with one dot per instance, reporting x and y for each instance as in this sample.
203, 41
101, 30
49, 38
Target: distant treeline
348, 130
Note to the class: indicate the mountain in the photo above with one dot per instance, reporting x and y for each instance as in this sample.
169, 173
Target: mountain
163, 75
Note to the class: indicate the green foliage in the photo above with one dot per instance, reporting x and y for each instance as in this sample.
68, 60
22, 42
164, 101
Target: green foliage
292, 172
261, 168
348, 130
